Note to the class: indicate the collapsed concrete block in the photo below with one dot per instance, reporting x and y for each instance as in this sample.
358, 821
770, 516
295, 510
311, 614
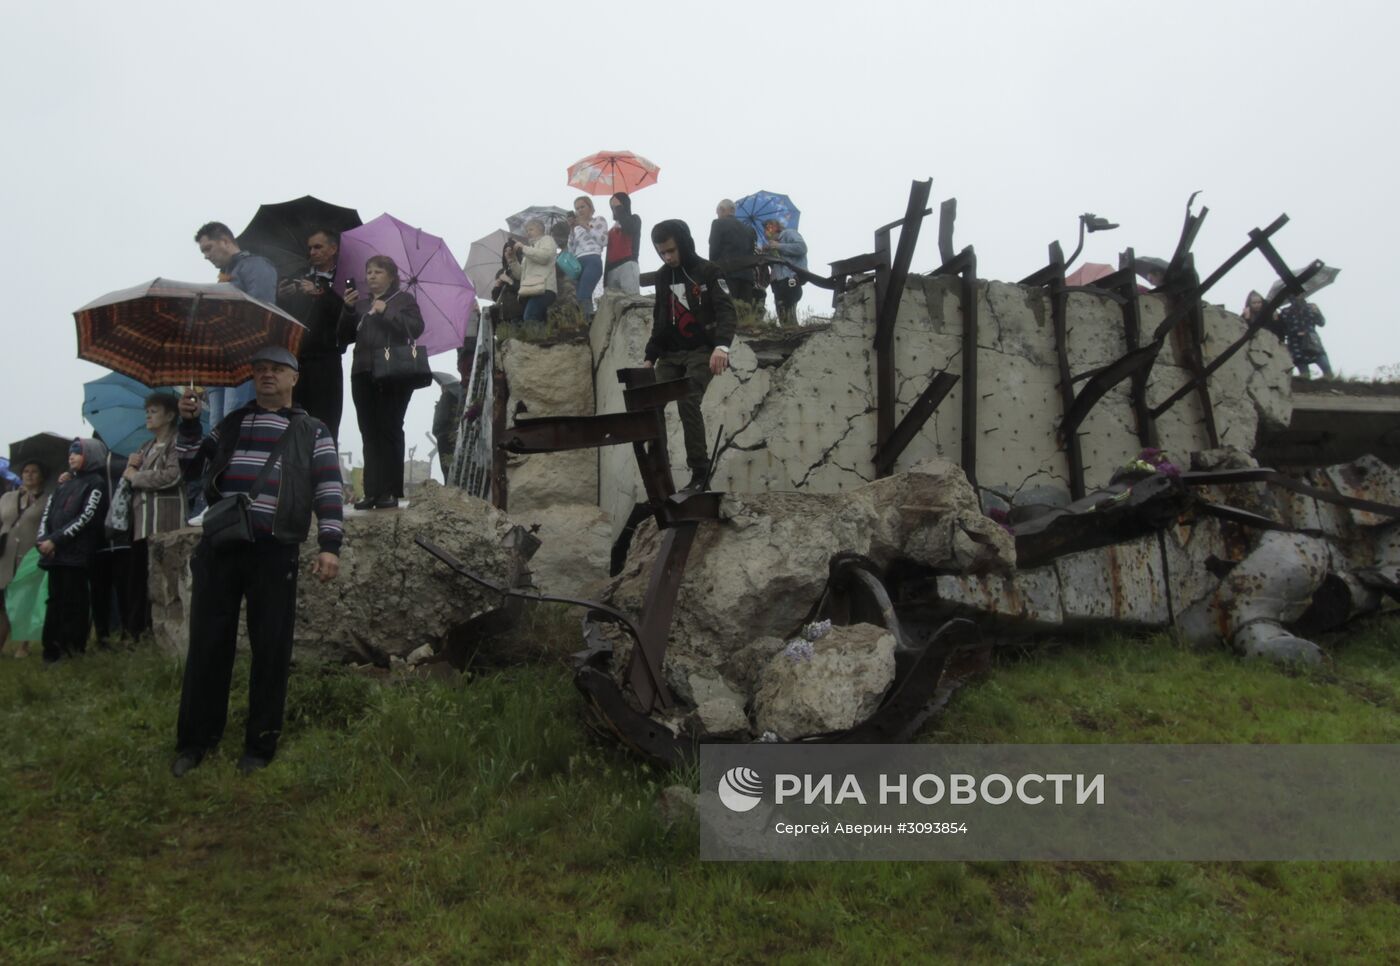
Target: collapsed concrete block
812, 687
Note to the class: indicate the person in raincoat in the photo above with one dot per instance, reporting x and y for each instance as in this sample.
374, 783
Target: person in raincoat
788, 245
1297, 325
20, 513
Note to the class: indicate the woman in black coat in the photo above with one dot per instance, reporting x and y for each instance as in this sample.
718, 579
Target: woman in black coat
388, 316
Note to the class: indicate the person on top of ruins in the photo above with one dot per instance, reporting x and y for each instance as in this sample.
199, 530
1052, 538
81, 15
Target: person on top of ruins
1297, 324
621, 272
692, 325
732, 240
788, 245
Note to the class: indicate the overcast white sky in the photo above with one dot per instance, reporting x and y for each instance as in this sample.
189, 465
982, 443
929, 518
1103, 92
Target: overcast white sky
128, 125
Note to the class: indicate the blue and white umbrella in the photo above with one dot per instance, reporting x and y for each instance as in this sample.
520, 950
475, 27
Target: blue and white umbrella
763, 206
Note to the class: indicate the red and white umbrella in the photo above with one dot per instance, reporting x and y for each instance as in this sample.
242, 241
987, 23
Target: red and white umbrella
609, 172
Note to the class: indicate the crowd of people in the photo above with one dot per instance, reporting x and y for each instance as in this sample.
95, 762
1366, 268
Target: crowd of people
569, 257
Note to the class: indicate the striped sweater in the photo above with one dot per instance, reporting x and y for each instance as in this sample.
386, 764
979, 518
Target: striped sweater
258, 431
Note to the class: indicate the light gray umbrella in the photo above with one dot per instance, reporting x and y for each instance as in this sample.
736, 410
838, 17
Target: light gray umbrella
548, 214
484, 261
1324, 277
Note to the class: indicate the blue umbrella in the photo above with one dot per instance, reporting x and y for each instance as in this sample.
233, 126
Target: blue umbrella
115, 405
7, 473
763, 206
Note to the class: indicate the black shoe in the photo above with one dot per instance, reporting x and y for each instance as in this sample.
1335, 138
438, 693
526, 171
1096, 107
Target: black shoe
366, 504
186, 762
699, 480
251, 763
386, 503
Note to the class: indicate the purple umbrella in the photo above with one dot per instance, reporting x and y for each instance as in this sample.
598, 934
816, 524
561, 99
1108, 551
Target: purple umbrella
427, 271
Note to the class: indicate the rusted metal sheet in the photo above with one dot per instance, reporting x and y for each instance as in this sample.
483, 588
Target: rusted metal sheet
1150, 505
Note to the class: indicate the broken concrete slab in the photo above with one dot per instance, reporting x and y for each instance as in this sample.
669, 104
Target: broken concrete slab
814, 687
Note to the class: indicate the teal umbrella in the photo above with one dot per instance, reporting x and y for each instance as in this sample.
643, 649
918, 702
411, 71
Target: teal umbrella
115, 406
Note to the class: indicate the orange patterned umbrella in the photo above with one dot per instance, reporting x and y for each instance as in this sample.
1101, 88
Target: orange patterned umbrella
609, 172
168, 333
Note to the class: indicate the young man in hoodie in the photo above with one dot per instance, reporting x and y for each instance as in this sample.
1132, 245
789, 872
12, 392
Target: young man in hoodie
70, 533
692, 325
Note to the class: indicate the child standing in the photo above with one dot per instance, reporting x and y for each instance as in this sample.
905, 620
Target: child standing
70, 533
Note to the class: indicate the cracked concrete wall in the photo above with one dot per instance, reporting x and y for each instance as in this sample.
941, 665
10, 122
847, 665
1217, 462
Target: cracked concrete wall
809, 424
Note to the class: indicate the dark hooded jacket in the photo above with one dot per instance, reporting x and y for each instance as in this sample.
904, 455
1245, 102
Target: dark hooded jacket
75, 513
693, 309
625, 238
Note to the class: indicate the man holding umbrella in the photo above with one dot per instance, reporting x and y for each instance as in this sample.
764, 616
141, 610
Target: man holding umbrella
321, 386
265, 468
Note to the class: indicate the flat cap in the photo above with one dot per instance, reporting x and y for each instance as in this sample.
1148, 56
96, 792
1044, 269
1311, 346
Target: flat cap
277, 354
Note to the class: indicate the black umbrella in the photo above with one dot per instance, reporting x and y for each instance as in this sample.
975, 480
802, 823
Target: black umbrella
278, 232
48, 449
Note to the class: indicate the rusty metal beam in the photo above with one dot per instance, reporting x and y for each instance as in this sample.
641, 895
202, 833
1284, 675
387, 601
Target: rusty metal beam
1239, 343
947, 218
890, 277
889, 451
1073, 450
656, 395
500, 488
887, 308
1266, 475
550, 434
644, 670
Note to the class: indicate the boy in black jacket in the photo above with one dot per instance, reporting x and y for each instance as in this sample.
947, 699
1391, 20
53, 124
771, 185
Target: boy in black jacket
691, 328
70, 533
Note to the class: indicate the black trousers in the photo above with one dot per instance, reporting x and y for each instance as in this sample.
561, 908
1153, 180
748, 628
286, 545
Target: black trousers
110, 587
320, 390
380, 409
138, 593
264, 574
743, 289
68, 618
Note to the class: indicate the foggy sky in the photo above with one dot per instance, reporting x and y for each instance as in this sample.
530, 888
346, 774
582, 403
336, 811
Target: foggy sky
127, 126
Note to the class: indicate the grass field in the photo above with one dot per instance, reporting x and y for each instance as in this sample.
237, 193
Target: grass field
420, 821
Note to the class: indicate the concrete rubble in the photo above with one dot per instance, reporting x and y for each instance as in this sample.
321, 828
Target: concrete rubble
390, 600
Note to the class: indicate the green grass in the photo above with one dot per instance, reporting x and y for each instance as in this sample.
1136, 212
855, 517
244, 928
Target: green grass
421, 821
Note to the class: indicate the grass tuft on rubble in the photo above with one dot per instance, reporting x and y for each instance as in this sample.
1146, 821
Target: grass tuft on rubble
475, 819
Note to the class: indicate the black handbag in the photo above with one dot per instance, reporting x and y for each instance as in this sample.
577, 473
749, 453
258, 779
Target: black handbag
229, 522
402, 365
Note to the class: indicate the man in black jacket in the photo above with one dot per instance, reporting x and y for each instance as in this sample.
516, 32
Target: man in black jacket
732, 240
280, 464
692, 325
309, 299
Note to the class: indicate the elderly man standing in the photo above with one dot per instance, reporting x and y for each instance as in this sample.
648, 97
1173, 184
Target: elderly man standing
250, 274
265, 468
309, 299
730, 241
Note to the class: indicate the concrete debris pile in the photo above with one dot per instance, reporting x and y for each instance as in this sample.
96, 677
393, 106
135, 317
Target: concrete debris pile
757, 575
390, 599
